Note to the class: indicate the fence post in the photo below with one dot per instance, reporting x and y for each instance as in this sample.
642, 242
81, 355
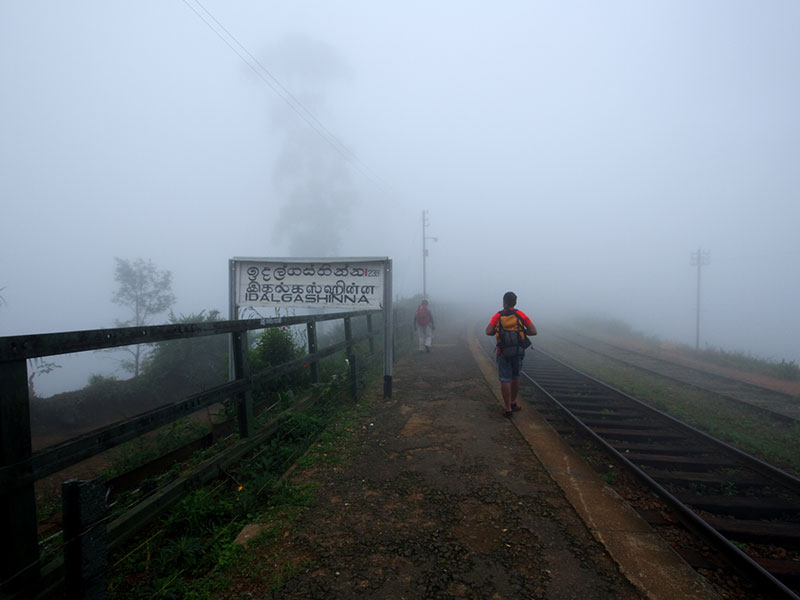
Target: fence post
83, 505
19, 552
351, 357
244, 401
311, 328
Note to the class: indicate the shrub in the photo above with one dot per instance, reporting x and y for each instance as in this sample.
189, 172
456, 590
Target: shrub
274, 347
787, 370
188, 365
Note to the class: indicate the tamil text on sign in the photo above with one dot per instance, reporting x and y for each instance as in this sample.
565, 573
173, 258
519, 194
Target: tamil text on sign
352, 284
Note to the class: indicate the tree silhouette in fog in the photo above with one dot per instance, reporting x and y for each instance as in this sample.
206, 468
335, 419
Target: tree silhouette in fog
144, 291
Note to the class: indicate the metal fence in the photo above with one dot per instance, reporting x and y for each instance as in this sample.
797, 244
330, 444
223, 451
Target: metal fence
20, 468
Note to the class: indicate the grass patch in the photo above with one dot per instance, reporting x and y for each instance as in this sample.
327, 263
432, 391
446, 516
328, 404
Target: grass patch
742, 361
786, 370
191, 552
334, 445
610, 477
145, 448
270, 563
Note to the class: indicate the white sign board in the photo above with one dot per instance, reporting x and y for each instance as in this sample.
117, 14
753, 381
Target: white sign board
309, 283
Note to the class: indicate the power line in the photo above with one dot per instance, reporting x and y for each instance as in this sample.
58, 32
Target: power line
284, 94
274, 83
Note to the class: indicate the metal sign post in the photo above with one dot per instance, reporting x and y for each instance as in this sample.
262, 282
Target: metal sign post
388, 329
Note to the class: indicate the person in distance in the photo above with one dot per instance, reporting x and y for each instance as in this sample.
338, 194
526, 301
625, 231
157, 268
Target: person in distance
423, 325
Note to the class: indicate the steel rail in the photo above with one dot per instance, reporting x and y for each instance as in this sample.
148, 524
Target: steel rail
677, 363
778, 475
686, 514
755, 572
788, 398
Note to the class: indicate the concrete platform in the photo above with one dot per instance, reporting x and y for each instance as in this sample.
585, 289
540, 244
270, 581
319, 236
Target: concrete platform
443, 497
643, 557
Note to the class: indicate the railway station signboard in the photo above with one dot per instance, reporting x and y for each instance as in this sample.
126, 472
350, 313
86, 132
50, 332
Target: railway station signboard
342, 283
316, 284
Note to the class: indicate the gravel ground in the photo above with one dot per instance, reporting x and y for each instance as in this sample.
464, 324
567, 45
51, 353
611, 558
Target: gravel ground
443, 499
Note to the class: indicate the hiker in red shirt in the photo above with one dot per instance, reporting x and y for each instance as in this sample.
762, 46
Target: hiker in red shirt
512, 329
423, 325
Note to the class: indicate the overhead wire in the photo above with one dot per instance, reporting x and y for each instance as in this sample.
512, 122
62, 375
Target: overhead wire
282, 92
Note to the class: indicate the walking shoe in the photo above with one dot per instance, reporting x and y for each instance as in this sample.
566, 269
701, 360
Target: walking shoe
427, 348
507, 413
516, 407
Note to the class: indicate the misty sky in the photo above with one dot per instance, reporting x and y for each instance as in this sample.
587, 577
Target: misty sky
575, 152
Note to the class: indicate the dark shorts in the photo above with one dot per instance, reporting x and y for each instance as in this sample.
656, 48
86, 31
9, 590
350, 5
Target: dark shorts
508, 368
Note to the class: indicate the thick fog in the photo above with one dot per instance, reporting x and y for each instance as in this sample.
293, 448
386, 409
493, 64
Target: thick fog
575, 152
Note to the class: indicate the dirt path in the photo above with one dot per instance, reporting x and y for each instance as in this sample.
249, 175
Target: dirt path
444, 500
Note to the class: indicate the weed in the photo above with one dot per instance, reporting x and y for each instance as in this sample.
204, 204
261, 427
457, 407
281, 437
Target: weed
143, 449
741, 545
610, 477
47, 505
194, 553
190, 553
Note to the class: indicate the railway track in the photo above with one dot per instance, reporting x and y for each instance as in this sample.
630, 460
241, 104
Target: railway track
746, 509
776, 404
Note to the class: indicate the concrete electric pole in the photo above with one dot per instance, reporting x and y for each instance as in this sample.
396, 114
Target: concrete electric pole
699, 259
425, 239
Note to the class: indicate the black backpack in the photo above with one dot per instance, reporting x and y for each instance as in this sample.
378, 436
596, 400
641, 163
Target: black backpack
511, 338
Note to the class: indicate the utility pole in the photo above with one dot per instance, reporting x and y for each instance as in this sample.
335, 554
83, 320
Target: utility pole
425, 239
699, 259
